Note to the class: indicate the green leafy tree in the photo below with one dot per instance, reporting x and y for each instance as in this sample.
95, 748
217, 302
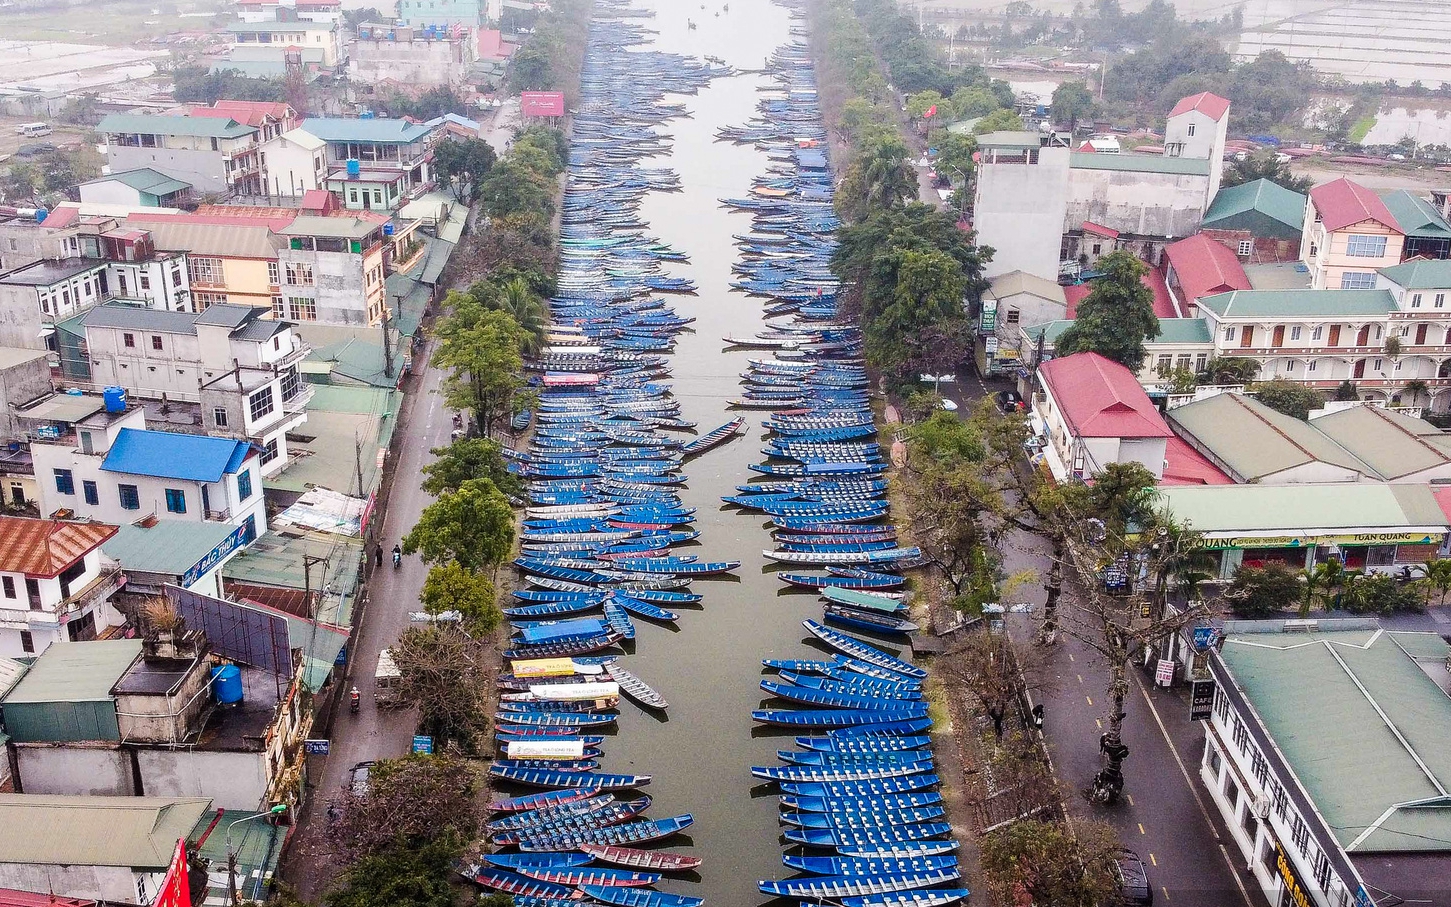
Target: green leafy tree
200, 83
512, 187
998, 121
1264, 165
1258, 592
1229, 370
483, 353
462, 165
954, 156
1376, 593
20, 183
520, 301
881, 177
473, 526
450, 587
399, 877
1116, 316
532, 67
465, 459
1122, 495
1288, 397
445, 674
1345, 392
412, 801
1072, 102
1438, 576
1050, 863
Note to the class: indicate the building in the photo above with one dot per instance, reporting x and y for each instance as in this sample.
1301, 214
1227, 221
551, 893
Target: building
55, 584
229, 259
1397, 447
1260, 221
1368, 526
215, 155
1323, 755
1094, 412
1020, 202
293, 164
34, 297
419, 13
306, 10
1199, 266
429, 56
374, 164
1348, 235
270, 118
1428, 234
1183, 345
114, 849
24, 378
1014, 301
113, 471
1147, 200
316, 44
142, 188
1197, 128
332, 270
157, 553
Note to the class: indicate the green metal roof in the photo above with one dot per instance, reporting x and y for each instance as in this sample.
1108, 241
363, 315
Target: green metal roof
1420, 275
1416, 215
1361, 725
1298, 303
257, 846
1392, 443
378, 130
1274, 201
1251, 441
276, 557
1138, 163
337, 416
212, 127
135, 832
170, 548
76, 672
146, 180
1299, 509
1171, 331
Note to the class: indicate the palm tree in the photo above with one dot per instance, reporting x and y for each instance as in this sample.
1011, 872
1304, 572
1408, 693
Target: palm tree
520, 301
890, 179
1319, 581
1229, 370
1438, 577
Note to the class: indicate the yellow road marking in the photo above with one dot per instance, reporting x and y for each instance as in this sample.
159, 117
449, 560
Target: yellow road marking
1080, 677
1153, 859
1099, 722
1141, 829
1090, 699
1166, 892
1131, 799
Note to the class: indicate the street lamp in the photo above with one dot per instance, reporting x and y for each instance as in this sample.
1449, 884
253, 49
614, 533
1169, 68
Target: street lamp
232, 854
962, 204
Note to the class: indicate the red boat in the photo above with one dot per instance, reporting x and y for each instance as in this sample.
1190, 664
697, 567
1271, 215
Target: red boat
634, 858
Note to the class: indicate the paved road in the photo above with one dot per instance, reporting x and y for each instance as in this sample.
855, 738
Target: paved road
424, 423
1167, 817
499, 131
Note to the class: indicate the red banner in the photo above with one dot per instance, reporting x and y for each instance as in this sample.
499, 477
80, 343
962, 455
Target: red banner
931, 112
175, 890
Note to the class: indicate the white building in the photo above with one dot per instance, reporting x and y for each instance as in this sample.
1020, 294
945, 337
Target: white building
34, 297
212, 154
1094, 412
294, 163
55, 583
332, 270
1197, 128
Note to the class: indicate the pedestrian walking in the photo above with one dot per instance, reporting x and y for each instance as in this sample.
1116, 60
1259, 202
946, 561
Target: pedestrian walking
377, 554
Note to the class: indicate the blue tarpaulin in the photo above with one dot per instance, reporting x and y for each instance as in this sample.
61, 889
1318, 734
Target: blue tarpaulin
584, 626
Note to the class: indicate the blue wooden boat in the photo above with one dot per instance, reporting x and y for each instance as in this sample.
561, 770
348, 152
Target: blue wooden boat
590, 875
677, 566
573, 720
589, 741
857, 649
628, 833
875, 834
714, 438
918, 897
886, 729
831, 760
859, 866
818, 887
869, 788
514, 883
838, 718
863, 744
812, 773
555, 765
632, 897
538, 801
551, 609
593, 781
516, 860
549, 814
796, 665
839, 805
618, 619
852, 820
860, 599
833, 700
904, 850
565, 647
613, 814
899, 556
871, 621
880, 690
641, 608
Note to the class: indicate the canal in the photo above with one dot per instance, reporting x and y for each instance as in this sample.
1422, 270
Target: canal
709, 669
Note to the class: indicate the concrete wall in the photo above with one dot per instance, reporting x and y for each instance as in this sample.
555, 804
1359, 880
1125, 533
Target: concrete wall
338, 287
45, 769
1262, 248
109, 883
1148, 451
1144, 204
417, 62
232, 780
20, 318
20, 384
23, 242
1020, 211
205, 170
113, 192
292, 169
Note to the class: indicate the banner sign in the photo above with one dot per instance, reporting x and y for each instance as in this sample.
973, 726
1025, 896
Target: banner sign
175, 890
1295, 891
989, 322
1303, 541
1201, 699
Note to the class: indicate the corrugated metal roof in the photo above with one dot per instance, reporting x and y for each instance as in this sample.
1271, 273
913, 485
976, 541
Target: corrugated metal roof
1420, 275
1391, 443
1295, 510
1298, 303
379, 130
135, 832
144, 179
76, 672
1270, 199
43, 548
1139, 163
169, 547
67, 408
1255, 441
172, 455
1015, 282
343, 227
1342, 203
141, 318
10, 673
226, 240
205, 127
1206, 102
1100, 398
1204, 267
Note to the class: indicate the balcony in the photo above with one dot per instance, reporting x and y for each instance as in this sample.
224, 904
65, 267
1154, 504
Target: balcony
218, 516
106, 584
298, 402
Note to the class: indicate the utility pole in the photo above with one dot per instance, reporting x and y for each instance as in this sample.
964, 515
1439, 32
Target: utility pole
387, 343
358, 462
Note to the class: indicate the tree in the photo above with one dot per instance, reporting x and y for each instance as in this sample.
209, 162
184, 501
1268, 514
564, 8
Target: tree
200, 83
1377, 593
1229, 370
880, 177
1072, 102
1265, 165
483, 351
929, 291
20, 183
519, 300
1116, 316
991, 669
1002, 120
1438, 576
1049, 862
1122, 496
465, 459
1257, 592
531, 68
1345, 391
399, 877
472, 526
1288, 397
511, 187
450, 587
1317, 586
443, 672
954, 157
463, 164
409, 802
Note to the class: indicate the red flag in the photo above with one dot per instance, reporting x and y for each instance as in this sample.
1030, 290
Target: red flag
175, 890
931, 112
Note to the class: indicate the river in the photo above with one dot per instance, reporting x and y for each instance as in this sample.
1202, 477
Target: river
710, 667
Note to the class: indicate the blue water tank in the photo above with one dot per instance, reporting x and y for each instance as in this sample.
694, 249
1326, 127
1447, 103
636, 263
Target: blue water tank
355, 168
75, 392
40, 215
368, 114
227, 682
115, 399
388, 228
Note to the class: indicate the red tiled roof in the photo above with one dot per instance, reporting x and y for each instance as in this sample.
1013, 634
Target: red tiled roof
12, 897
1341, 203
490, 42
290, 601
271, 221
1091, 227
1442, 494
1183, 465
248, 113
1204, 267
1211, 105
46, 547
1163, 302
62, 216
317, 200
1087, 146
1101, 399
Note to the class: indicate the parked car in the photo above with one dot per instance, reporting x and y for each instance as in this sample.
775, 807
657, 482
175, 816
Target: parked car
358, 778
1133, 880
1008, 401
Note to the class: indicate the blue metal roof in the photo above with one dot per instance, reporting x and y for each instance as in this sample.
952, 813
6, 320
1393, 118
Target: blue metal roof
349, 129
170, 455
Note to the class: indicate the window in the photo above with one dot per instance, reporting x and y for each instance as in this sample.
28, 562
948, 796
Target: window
1214, 761
175, 500
1181, 362
1200, 361
1221, 706
1246, 248
130, 498
1259, 767
205, 270
1377, 365
1011, 317
64, 482
272, 274
27, 642
219, 416
299, 274
1311, 366
1229, 335
279, 308
91, 493
1278, 798
1313, 249
9, 582
128, 340
1289, 366
260, 403
1247, 821
1317, 333
1365, 246
1295, 333
1406, 331
1241, 735
244, 484
175, 276
1191, 128
303, 309
1299, 833
204, 301
144, 278
1357, 280
269, 451
291, 383
1161, 366
121, 284
1415, 300
156, 341
1440, 300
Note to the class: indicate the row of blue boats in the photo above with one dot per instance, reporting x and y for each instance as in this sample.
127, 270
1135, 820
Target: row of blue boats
603, 519
859, 810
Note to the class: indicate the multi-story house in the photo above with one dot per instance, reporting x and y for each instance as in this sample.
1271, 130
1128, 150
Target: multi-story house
214, 154
1348, 235
268, 42
332, 270
271, 118
471, 13
294, 164
230, 258
306, 10
55, 583
425, 56
135, 270
1428, 234
1259, 221
374, 164
34, 297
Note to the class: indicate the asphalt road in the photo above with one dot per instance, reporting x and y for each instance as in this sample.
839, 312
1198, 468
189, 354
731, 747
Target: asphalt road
1166, 817
424, 423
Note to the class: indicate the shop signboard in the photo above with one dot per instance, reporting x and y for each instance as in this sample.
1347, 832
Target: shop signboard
1164, 672
1206, 637
316, 747
1201, 699
990, 346
989, 322
1306, 541
1295, 892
